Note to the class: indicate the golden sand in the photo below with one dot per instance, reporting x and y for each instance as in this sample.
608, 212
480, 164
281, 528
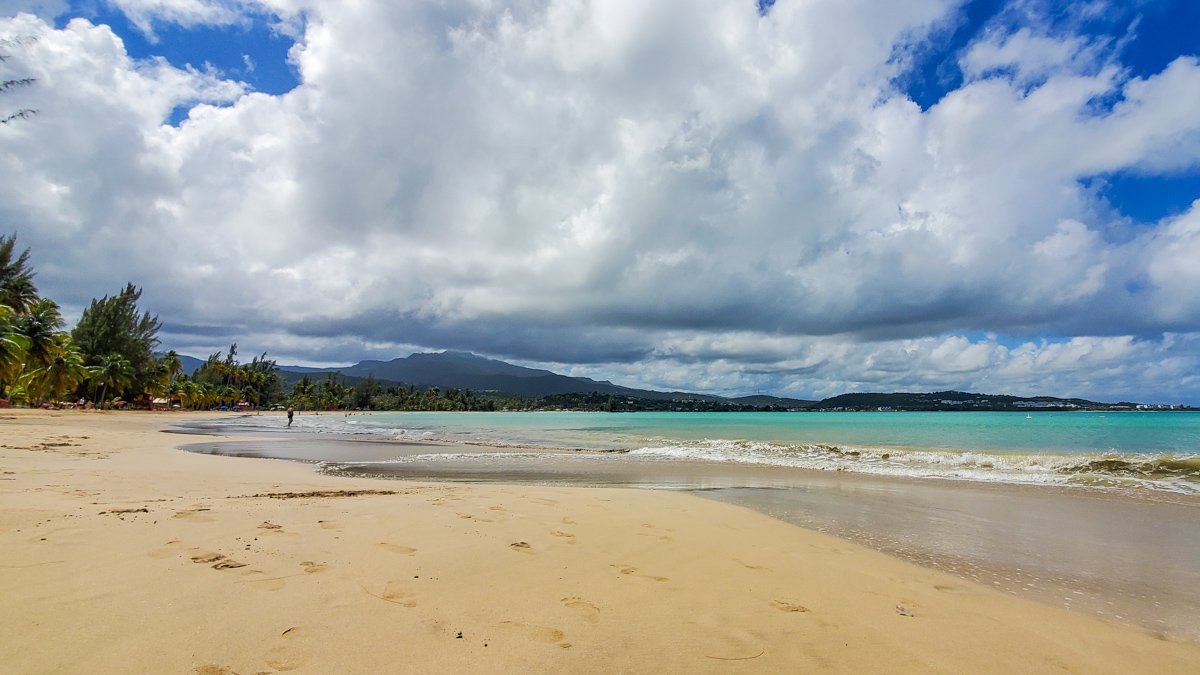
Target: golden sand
121, 554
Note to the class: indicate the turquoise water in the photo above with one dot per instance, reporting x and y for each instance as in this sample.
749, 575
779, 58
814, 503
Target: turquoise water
1158, 450
1131, 432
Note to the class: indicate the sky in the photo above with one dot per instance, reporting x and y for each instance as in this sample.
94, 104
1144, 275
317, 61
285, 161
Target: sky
798, 197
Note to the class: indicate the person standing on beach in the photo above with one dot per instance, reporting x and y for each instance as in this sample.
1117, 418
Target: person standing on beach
290, 413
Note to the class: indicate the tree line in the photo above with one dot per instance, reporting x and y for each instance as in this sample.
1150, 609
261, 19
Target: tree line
109, 355
333, 391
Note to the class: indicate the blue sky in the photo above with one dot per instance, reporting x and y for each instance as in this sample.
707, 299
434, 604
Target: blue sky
796, 198
1144, 37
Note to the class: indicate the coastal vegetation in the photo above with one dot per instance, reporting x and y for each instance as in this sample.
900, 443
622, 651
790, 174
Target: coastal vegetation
225, 381
334, 391
108, 358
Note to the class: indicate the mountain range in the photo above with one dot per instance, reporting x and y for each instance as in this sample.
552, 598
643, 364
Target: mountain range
464, 370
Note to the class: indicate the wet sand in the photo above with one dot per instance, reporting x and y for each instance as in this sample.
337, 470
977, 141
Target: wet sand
1131, 557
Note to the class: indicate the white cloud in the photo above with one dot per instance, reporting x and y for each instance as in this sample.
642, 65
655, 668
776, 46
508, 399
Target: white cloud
1031, 57
586, 183
1101, 368
144, 13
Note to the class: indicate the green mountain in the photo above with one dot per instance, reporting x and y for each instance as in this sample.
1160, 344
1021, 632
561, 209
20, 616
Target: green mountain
463, 370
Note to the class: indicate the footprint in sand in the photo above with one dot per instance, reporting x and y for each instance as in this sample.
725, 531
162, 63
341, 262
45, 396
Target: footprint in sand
467, 516
521, 546
657, 532
396, 548
329, 525
168, 550
268, 525
630, 570
565, 535
786, 606
219, 560
398, 593
311, 567
532, 632
589, 611
212, 670
196, 515
286, 657
266, 583
568, 521
748, 566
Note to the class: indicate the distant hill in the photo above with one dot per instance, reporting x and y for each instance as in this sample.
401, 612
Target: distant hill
763, 401
464, 370
955, 400
190, 364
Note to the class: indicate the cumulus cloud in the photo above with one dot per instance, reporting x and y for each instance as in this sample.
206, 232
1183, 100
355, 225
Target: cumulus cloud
684, 185
1099, 368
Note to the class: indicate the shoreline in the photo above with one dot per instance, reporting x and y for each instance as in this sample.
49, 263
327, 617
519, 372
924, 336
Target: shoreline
122, 553
731, 439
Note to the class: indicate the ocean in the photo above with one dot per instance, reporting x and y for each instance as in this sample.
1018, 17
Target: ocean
1133, 450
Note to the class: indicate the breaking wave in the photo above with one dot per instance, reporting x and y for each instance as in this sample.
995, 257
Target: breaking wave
1175, 473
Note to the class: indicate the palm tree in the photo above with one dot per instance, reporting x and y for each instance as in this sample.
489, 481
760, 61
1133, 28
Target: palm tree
63, 373
207, 395
159, 379
12, 347
16, 277
40, 325
19, 394
19, 293
113, 371
303, 390
189, 393
173, 364
331, 391
250, 395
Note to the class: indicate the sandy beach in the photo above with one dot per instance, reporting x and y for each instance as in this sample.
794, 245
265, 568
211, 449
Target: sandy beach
123, 554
